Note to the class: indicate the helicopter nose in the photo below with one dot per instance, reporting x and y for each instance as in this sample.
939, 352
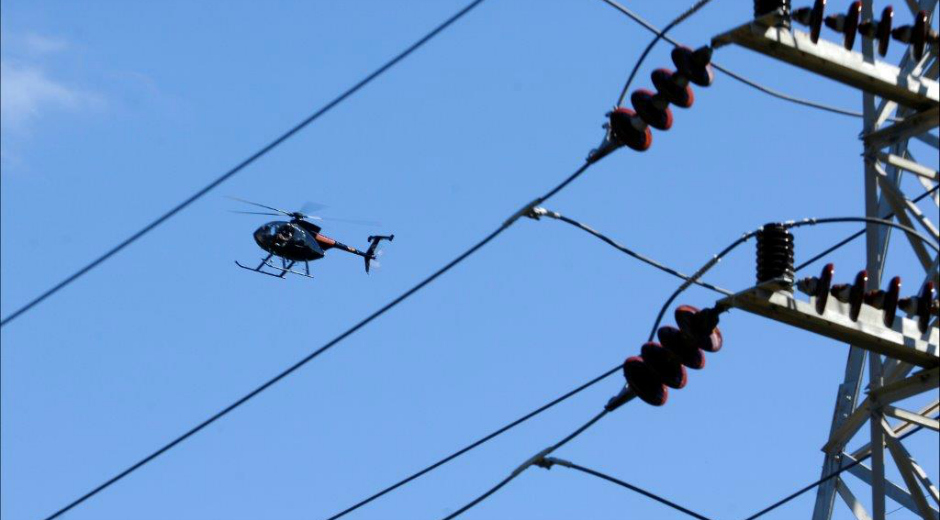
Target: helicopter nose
261, 237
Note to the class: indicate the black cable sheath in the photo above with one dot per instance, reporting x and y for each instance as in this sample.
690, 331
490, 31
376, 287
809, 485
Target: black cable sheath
833, 475
643, 258
661, 500
659, 35
479, 442
242, 165
516, 473
281, 375
767, 90
861, 232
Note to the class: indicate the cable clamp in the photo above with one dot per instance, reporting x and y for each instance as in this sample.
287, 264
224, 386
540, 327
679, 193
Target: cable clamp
548, 462
609, 144
536, 459
625, 395
529, 210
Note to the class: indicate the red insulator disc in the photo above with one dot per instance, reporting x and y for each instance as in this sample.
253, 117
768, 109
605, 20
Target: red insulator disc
883, 32
851, 24
822, 287
646, 108
857, 294
924, 301
816, 20
664, 81
700, 74
891, 301
701, 336
621, 124
666, 363
919, 35
644, 381
674, 340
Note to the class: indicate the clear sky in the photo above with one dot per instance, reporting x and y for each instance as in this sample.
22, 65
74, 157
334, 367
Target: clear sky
115, 111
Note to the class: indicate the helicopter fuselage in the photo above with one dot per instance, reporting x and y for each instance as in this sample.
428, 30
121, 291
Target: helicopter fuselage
297, 240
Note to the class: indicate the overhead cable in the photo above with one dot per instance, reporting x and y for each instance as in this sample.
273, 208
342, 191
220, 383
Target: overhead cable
479, 442
548, 462
242, 165
767, 90
659, 35
539, 212
828, 477
532, 461
225, 411
861, 232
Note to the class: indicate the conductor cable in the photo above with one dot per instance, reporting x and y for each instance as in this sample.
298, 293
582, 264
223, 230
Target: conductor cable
245, 163
532, 211
828, 477
525, 465
548, 462
539, 212
767, 90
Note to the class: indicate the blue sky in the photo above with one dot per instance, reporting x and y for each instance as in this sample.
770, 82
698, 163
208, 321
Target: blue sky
115, 111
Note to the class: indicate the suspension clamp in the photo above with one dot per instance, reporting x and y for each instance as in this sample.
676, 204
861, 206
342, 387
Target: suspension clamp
548, 462
527, 211
536, 459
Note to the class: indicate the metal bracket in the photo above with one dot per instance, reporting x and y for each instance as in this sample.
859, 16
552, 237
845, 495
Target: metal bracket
902, 341
835, 62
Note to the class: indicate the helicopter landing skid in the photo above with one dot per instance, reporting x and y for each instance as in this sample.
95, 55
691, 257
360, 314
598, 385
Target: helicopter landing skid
285, 270
258, 270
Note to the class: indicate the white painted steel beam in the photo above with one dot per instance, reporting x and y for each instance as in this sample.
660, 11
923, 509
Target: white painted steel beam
902, 341
833, 61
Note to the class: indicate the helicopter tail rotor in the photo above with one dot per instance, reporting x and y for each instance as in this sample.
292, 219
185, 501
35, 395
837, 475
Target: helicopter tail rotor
373, 245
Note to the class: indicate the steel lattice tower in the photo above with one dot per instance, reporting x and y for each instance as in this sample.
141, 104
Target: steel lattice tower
900, 104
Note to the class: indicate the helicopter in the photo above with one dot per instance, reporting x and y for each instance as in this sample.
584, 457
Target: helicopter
300, 240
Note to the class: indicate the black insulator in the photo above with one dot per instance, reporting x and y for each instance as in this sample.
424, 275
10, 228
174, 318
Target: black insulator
763, 7
775, 254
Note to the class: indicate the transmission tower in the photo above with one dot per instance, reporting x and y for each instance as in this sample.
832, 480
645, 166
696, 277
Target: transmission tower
900, 103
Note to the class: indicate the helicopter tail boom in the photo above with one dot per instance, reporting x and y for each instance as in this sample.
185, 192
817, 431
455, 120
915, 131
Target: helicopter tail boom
373, 245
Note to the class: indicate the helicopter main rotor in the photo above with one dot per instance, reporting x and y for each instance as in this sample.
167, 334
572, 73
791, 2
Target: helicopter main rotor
297, 215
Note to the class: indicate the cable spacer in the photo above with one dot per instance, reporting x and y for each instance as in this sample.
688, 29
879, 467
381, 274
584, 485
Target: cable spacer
537, 458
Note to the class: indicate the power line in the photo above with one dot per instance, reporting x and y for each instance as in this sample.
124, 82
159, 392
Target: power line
534, 460
504, 226
620, 247
767, 90
689, 280
551, 461
861, 232
835, 474
479, 442
792, 224
242, 165
659, 35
